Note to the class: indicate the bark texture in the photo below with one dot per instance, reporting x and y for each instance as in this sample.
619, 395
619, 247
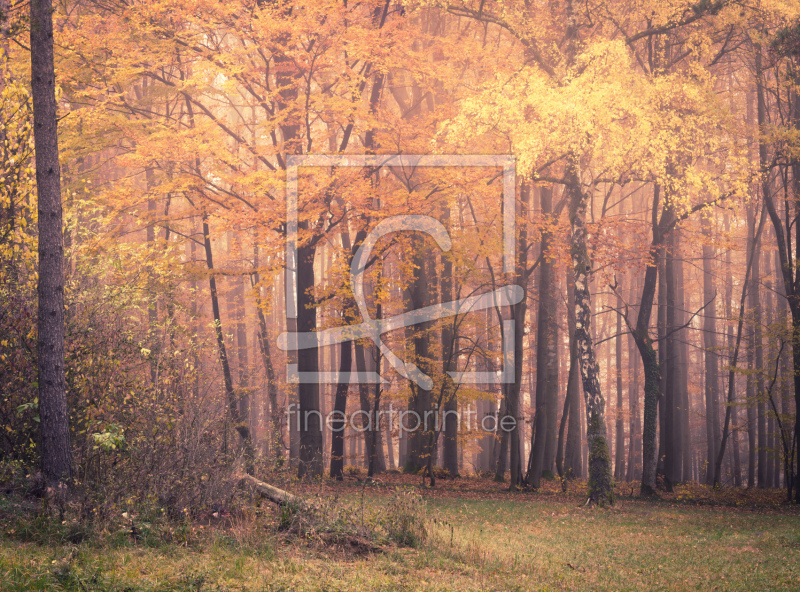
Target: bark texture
601, 485
56, 464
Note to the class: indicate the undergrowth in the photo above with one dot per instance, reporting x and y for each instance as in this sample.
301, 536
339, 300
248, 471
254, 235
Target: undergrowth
400, 521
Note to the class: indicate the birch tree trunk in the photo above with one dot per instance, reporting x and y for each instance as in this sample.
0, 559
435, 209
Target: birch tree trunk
601, 486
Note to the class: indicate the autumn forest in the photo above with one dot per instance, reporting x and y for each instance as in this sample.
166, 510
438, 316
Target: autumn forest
261, 261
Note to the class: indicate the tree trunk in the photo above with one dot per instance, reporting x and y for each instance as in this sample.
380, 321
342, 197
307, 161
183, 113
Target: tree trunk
786, 381
546, 356
276, 435
484, 408
754, 364
370, 431
236, 311
663, 364
573, 456
601, 486
736, 461
650, 359
230, 393
518, 312
310, 431
635, 421
619, 453
449, 363
152, 305
735, 356
501, 447
683, 374
418, 295
671, 436
338, 418
788, 259
711, 356
772, 468
761, 406
55, 451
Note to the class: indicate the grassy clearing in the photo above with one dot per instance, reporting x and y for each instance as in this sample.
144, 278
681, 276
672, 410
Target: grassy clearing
510, 542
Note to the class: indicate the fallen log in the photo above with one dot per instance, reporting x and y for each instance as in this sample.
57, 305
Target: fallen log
350, 543
272, 493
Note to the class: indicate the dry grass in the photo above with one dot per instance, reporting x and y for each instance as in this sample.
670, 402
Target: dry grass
480, 538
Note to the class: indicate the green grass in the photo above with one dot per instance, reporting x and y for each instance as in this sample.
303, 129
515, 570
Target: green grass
635, 546
516, 542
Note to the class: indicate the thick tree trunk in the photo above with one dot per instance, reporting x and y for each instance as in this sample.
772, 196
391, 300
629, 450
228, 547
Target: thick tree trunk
365, 404
513, 398
650, 359
794, 302
546, 356
449, 363
338, 419
418, 295
373, 450
56, 464
310, 461
518, 314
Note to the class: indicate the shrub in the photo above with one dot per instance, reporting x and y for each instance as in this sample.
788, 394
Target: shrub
352, 471
404, 518
402, 521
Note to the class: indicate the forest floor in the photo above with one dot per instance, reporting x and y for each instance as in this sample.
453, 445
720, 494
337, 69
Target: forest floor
480, 537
